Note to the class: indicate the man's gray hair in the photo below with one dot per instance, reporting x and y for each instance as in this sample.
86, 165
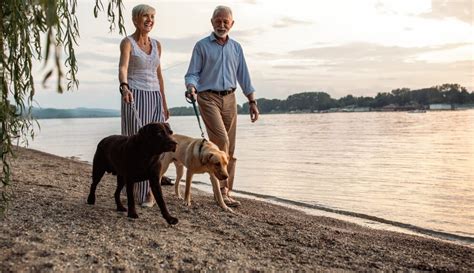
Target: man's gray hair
139, 10
221, 8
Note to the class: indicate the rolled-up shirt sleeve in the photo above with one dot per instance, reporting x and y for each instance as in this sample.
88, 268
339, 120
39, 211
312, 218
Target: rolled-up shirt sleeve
243, 74
195, 66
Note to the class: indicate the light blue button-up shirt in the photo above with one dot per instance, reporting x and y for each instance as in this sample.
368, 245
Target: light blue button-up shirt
218, 67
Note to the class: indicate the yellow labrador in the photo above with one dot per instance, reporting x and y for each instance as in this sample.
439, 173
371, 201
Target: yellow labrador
198, 156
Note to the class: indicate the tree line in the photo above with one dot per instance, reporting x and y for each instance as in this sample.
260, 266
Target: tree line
402, 98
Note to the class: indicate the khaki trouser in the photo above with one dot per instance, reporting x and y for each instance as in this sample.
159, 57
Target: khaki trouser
219, 114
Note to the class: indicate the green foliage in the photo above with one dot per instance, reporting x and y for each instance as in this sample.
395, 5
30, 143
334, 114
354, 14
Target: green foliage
29, 29
182, 111
111, 8
403, 97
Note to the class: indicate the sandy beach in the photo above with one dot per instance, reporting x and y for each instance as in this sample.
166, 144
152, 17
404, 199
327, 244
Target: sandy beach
49, 227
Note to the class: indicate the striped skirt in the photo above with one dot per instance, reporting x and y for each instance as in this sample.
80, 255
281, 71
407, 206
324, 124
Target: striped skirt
149, 107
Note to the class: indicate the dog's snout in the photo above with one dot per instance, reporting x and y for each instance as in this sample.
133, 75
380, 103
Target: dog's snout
222, 175
173, 144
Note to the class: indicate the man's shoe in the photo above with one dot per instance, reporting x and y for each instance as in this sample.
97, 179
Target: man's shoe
231, 203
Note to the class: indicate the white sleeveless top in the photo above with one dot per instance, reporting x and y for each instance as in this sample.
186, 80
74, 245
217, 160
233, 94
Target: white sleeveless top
142, 67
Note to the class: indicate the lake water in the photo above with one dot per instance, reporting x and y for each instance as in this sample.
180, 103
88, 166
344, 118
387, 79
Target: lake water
412, 170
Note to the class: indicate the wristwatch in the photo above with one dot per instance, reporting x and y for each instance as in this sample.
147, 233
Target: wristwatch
122, 84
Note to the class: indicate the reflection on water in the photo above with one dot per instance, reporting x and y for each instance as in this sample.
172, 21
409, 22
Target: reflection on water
411, 168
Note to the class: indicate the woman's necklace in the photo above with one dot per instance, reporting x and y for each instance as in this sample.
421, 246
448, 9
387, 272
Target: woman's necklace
145, 46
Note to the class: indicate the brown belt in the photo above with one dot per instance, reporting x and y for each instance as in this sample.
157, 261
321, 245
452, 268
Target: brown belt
220, 93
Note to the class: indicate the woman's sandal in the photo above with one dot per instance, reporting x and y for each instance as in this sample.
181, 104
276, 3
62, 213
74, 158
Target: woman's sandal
150, 201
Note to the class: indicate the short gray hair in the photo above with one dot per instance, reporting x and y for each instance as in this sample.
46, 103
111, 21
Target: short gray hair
221, 8
141, 9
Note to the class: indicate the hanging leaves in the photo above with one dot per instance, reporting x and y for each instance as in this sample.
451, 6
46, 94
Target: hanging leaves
24, 24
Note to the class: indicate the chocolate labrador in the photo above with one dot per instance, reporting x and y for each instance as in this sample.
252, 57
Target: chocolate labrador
133, 159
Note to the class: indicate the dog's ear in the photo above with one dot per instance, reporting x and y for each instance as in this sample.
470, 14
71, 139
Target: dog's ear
167, 128
143, 133
150, 132
148, 129
142, 130
207, 158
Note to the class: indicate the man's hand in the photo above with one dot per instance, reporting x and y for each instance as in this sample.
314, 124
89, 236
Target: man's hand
190, 93
253, 109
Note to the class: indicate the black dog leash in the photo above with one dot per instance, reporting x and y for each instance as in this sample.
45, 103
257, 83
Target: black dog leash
193, 102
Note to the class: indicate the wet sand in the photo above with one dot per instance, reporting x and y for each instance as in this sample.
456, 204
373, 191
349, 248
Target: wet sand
49, 227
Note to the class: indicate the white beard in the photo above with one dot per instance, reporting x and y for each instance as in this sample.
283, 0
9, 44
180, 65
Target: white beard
221, 34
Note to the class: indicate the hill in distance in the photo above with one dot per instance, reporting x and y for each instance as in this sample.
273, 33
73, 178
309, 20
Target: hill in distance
49, 113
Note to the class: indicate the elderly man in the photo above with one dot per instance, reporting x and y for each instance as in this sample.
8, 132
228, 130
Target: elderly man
216, 65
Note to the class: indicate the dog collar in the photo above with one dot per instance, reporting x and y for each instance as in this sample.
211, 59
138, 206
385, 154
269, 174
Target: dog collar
200, 148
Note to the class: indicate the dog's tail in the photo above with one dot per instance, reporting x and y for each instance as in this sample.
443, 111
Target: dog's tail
98, 170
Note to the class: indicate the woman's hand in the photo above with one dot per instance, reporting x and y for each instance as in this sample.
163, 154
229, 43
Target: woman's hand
166, 111
127, 96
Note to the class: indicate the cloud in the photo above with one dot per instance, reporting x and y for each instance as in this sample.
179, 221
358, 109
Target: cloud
459, 9
181, 45
96, 57
358, 68
289, 22
366, 51
363, 77
367, 60
436, 9
268, 55
108, 40
290, 67
245, 36
109, 71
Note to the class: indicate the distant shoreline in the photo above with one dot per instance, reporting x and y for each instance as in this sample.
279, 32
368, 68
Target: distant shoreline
440, 97
53, 113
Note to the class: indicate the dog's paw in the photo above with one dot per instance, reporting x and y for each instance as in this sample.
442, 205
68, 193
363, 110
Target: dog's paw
172, 220
227, 209
91, 200
132, 215
187, 203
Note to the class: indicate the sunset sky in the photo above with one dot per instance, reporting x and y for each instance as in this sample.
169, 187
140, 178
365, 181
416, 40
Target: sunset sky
340, 47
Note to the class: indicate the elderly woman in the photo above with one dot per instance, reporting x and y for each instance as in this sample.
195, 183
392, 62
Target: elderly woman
141, 83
